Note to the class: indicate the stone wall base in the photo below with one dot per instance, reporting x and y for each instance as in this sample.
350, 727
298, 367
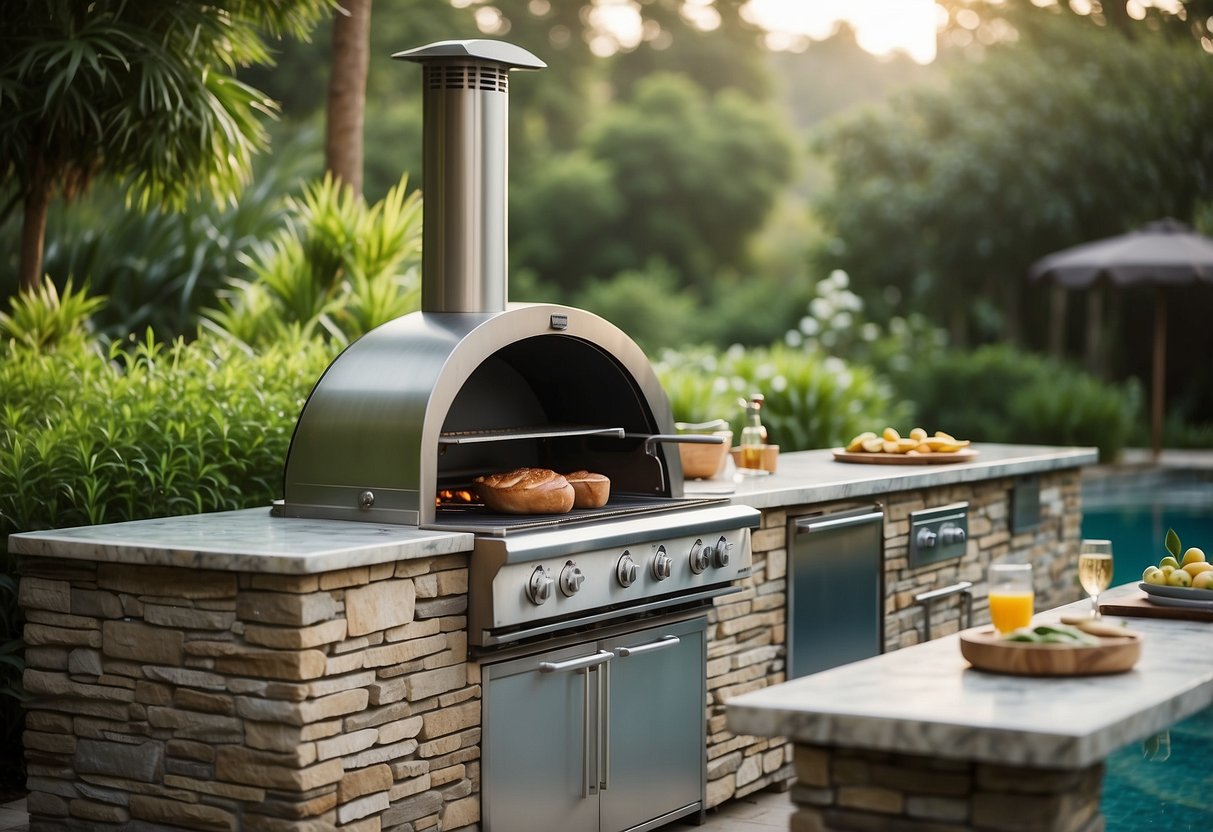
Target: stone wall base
841, 789
167, 698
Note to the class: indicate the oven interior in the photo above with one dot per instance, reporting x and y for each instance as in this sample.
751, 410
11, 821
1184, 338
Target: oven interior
527, 405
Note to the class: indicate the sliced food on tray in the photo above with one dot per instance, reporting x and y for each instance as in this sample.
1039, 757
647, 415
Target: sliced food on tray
916, 442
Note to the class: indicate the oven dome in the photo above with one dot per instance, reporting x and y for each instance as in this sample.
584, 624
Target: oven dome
388, 419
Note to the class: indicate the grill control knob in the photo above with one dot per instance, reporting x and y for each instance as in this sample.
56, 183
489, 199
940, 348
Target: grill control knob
951, 534
720, 557
539, 587
700, 555
926, 539
571, 578
663, 564
627, 571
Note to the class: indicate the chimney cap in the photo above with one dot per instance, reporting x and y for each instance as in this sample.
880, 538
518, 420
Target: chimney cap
506, 54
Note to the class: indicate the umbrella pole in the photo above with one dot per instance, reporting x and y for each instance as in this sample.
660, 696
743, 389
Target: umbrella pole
1160, 360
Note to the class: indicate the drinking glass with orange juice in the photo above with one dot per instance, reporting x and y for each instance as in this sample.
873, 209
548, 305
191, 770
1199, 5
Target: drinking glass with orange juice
1011, 596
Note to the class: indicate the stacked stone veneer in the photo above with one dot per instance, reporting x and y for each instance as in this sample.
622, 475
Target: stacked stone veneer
845, 789
166, 698
221, 700
747, 631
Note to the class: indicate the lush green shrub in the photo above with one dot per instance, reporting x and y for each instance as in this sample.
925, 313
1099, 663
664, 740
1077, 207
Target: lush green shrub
145, 429
337, 267
139, 430
159, 268
46, 317
1178, 433
835, 323
812, 401
646, 304
999, 394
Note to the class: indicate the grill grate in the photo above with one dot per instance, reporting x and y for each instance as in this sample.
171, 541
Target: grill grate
474, 519
466, 77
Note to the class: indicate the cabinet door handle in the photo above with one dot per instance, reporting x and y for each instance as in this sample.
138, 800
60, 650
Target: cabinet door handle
588, 775
805, 525
586, 762
604, 724
661, 644
926, 598
592, 660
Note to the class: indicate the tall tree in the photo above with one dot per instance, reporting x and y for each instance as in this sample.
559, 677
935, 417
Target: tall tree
988, 21
143, 92
674, 174
941, 202
346, 104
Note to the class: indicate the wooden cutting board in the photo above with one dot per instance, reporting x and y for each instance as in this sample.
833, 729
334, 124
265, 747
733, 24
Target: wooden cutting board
986, 650
1142, 608
963, 455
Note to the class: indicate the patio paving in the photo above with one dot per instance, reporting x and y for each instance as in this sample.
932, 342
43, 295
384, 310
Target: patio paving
13, 816
759, 812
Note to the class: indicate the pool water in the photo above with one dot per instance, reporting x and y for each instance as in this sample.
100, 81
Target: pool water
1166, 781
1134, 512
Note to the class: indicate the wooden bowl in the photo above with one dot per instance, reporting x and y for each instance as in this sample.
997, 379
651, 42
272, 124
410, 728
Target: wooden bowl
986, 650
702, 462
770, 457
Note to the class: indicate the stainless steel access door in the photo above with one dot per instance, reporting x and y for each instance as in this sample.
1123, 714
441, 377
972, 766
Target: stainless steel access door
656, 756
539, 721
605, 736
835, 589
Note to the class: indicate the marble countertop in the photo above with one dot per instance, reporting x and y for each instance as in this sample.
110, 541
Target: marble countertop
252, 540
810, 477
248, 541
927, 700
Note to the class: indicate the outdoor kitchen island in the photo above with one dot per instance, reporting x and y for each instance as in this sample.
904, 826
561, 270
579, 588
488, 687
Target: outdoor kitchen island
247, 671
918, 740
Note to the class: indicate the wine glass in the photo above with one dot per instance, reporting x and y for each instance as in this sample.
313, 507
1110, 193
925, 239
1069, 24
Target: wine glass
1095, 569
1011, 596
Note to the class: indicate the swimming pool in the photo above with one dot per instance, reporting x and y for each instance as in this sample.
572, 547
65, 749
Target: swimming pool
1165, 782
1134, 511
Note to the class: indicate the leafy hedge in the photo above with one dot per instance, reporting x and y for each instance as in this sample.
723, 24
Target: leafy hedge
145, 429
999, 394
139, 430
812, 401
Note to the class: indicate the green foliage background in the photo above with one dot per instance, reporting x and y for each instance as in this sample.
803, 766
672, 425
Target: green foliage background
862, 227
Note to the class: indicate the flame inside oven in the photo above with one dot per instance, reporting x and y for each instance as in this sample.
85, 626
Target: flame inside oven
457, 498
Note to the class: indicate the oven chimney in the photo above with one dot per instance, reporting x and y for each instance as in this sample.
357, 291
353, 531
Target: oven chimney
464, 145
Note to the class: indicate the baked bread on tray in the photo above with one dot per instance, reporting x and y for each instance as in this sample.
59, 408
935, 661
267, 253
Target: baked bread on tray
526, 491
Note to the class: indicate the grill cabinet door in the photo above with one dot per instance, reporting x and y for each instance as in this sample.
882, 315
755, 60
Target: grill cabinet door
653, 763
835, 606
537, 720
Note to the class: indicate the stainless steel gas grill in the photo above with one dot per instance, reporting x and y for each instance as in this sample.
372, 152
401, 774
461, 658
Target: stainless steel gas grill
589, 626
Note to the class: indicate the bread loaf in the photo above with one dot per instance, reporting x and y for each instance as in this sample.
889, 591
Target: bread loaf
526, 491
591, 490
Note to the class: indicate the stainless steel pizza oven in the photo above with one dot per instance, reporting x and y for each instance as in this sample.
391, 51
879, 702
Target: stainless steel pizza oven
471, 384
404, 420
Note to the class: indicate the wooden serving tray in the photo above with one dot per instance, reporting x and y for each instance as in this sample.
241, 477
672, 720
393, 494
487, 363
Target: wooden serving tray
1142, 608
986, 650
881, 458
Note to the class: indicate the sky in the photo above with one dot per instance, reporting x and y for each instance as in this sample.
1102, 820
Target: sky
881, 26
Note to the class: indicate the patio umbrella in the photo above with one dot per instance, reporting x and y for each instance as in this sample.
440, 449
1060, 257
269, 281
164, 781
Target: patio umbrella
1162, 253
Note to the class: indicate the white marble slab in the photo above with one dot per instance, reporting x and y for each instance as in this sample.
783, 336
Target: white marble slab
927, 700
252, 540
247, 541
808, 477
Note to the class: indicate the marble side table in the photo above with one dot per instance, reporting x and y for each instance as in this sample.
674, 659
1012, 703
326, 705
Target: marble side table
916, 740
